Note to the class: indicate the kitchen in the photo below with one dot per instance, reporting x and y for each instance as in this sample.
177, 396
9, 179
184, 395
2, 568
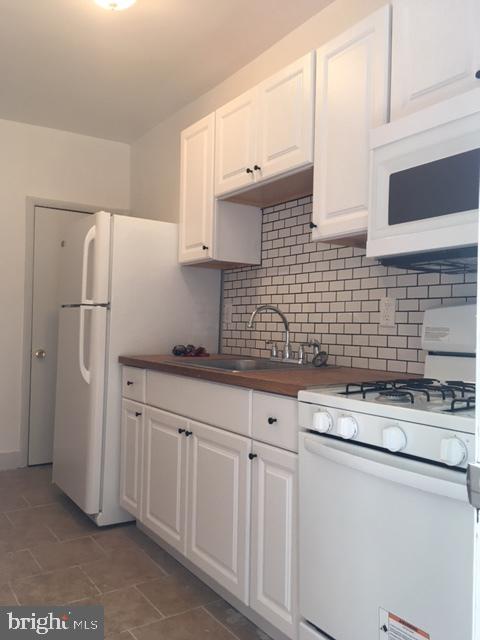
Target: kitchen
214, 457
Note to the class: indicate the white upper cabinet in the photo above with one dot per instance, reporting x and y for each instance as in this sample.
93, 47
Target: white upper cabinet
286, 105
196, 190
352, 96
236, 133
213, 231
435, 52
267, 131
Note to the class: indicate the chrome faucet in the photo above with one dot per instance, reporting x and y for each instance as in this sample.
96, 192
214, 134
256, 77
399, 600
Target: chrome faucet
269, 307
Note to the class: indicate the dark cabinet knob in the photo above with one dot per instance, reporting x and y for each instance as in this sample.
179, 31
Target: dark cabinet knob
251, 456
188, 433
248, 170
129, 383
204, 247
181, 431
137, 413
257, 168
477, 74
312, 225
272, 420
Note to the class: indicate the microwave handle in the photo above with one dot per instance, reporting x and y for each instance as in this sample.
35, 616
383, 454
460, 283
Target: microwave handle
438, 486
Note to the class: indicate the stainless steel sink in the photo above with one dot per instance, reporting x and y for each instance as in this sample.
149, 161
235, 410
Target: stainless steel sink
243, 364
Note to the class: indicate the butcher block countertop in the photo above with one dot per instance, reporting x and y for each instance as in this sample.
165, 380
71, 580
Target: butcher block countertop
287, 382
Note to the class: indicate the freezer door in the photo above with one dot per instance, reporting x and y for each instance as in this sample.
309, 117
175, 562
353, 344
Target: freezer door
85, 260
79, 411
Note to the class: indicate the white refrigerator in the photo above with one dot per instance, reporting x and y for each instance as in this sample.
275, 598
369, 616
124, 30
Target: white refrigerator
122, 291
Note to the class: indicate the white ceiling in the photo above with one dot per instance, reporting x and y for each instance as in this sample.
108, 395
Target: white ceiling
71, 65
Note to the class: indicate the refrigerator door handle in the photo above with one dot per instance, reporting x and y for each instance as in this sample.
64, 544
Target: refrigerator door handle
89, 239
81, 347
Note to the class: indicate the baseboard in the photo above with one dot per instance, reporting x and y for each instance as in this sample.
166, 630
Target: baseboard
10, 460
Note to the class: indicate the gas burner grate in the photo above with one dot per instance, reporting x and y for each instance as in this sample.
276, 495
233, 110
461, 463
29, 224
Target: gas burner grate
463, 388
461, 404
397, 395
353, 388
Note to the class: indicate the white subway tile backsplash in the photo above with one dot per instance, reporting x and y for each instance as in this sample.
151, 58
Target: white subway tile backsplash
331, 293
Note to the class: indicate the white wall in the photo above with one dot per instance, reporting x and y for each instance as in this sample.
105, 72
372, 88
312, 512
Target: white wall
156, 156
43, 163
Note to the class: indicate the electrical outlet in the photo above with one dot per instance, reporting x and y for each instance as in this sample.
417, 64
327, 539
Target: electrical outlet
227, 314
388, 307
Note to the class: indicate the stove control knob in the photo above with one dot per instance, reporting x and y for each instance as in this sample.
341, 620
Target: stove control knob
394, 439
322, 421
453, 452
347, 427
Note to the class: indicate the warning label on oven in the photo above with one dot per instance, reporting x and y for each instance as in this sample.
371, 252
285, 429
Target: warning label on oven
392, 627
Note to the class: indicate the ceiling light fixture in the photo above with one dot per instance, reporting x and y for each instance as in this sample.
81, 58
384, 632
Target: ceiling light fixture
115, 5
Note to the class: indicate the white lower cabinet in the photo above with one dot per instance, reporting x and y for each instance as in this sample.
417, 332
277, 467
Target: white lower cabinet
219, 506
273, 573
131, 457
222, 500
165, 474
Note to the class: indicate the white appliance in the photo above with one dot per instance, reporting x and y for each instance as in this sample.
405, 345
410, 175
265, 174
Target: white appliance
386, 529
424, 192
122, 292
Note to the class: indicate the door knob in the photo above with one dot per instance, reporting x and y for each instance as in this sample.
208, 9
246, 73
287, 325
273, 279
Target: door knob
41, 354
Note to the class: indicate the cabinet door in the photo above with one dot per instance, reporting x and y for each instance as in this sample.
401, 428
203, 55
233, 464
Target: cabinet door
164, 495
435, 52
286, 110
196, 191
235, 141
131, 456
219, 506
273, 581
352, 97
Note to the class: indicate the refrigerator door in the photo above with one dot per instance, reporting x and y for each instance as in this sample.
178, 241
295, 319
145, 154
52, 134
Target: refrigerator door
79, 412
85, 261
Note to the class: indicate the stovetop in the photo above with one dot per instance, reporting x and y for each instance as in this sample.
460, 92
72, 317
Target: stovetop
449, 404
428, 394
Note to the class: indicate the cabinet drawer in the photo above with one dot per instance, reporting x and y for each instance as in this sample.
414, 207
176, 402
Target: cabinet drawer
133, 383
217, 404
275, 421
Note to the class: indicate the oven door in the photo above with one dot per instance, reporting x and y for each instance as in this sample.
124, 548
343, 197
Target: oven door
386, 544
424, 184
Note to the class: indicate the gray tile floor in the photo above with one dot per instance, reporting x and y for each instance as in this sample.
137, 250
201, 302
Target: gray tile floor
51, 553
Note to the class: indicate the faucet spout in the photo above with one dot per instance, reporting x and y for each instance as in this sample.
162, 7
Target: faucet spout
273, 309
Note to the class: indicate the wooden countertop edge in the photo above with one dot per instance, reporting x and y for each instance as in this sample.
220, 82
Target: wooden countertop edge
269, 381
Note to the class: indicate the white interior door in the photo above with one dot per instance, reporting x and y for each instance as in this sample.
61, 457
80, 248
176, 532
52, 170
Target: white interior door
50, 228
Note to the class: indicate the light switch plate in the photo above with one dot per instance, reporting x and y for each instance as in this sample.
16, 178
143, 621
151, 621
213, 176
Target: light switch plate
388, 307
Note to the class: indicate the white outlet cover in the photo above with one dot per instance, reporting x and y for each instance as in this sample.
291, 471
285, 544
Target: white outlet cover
388, 308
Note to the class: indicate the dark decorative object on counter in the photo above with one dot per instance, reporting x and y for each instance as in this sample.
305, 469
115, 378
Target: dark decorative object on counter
189, 351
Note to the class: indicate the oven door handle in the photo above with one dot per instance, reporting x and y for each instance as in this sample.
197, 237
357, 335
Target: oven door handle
420, 481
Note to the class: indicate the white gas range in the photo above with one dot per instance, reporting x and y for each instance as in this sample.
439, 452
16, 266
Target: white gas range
386, 530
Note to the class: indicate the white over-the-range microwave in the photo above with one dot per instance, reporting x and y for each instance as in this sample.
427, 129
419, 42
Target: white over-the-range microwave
425, 174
